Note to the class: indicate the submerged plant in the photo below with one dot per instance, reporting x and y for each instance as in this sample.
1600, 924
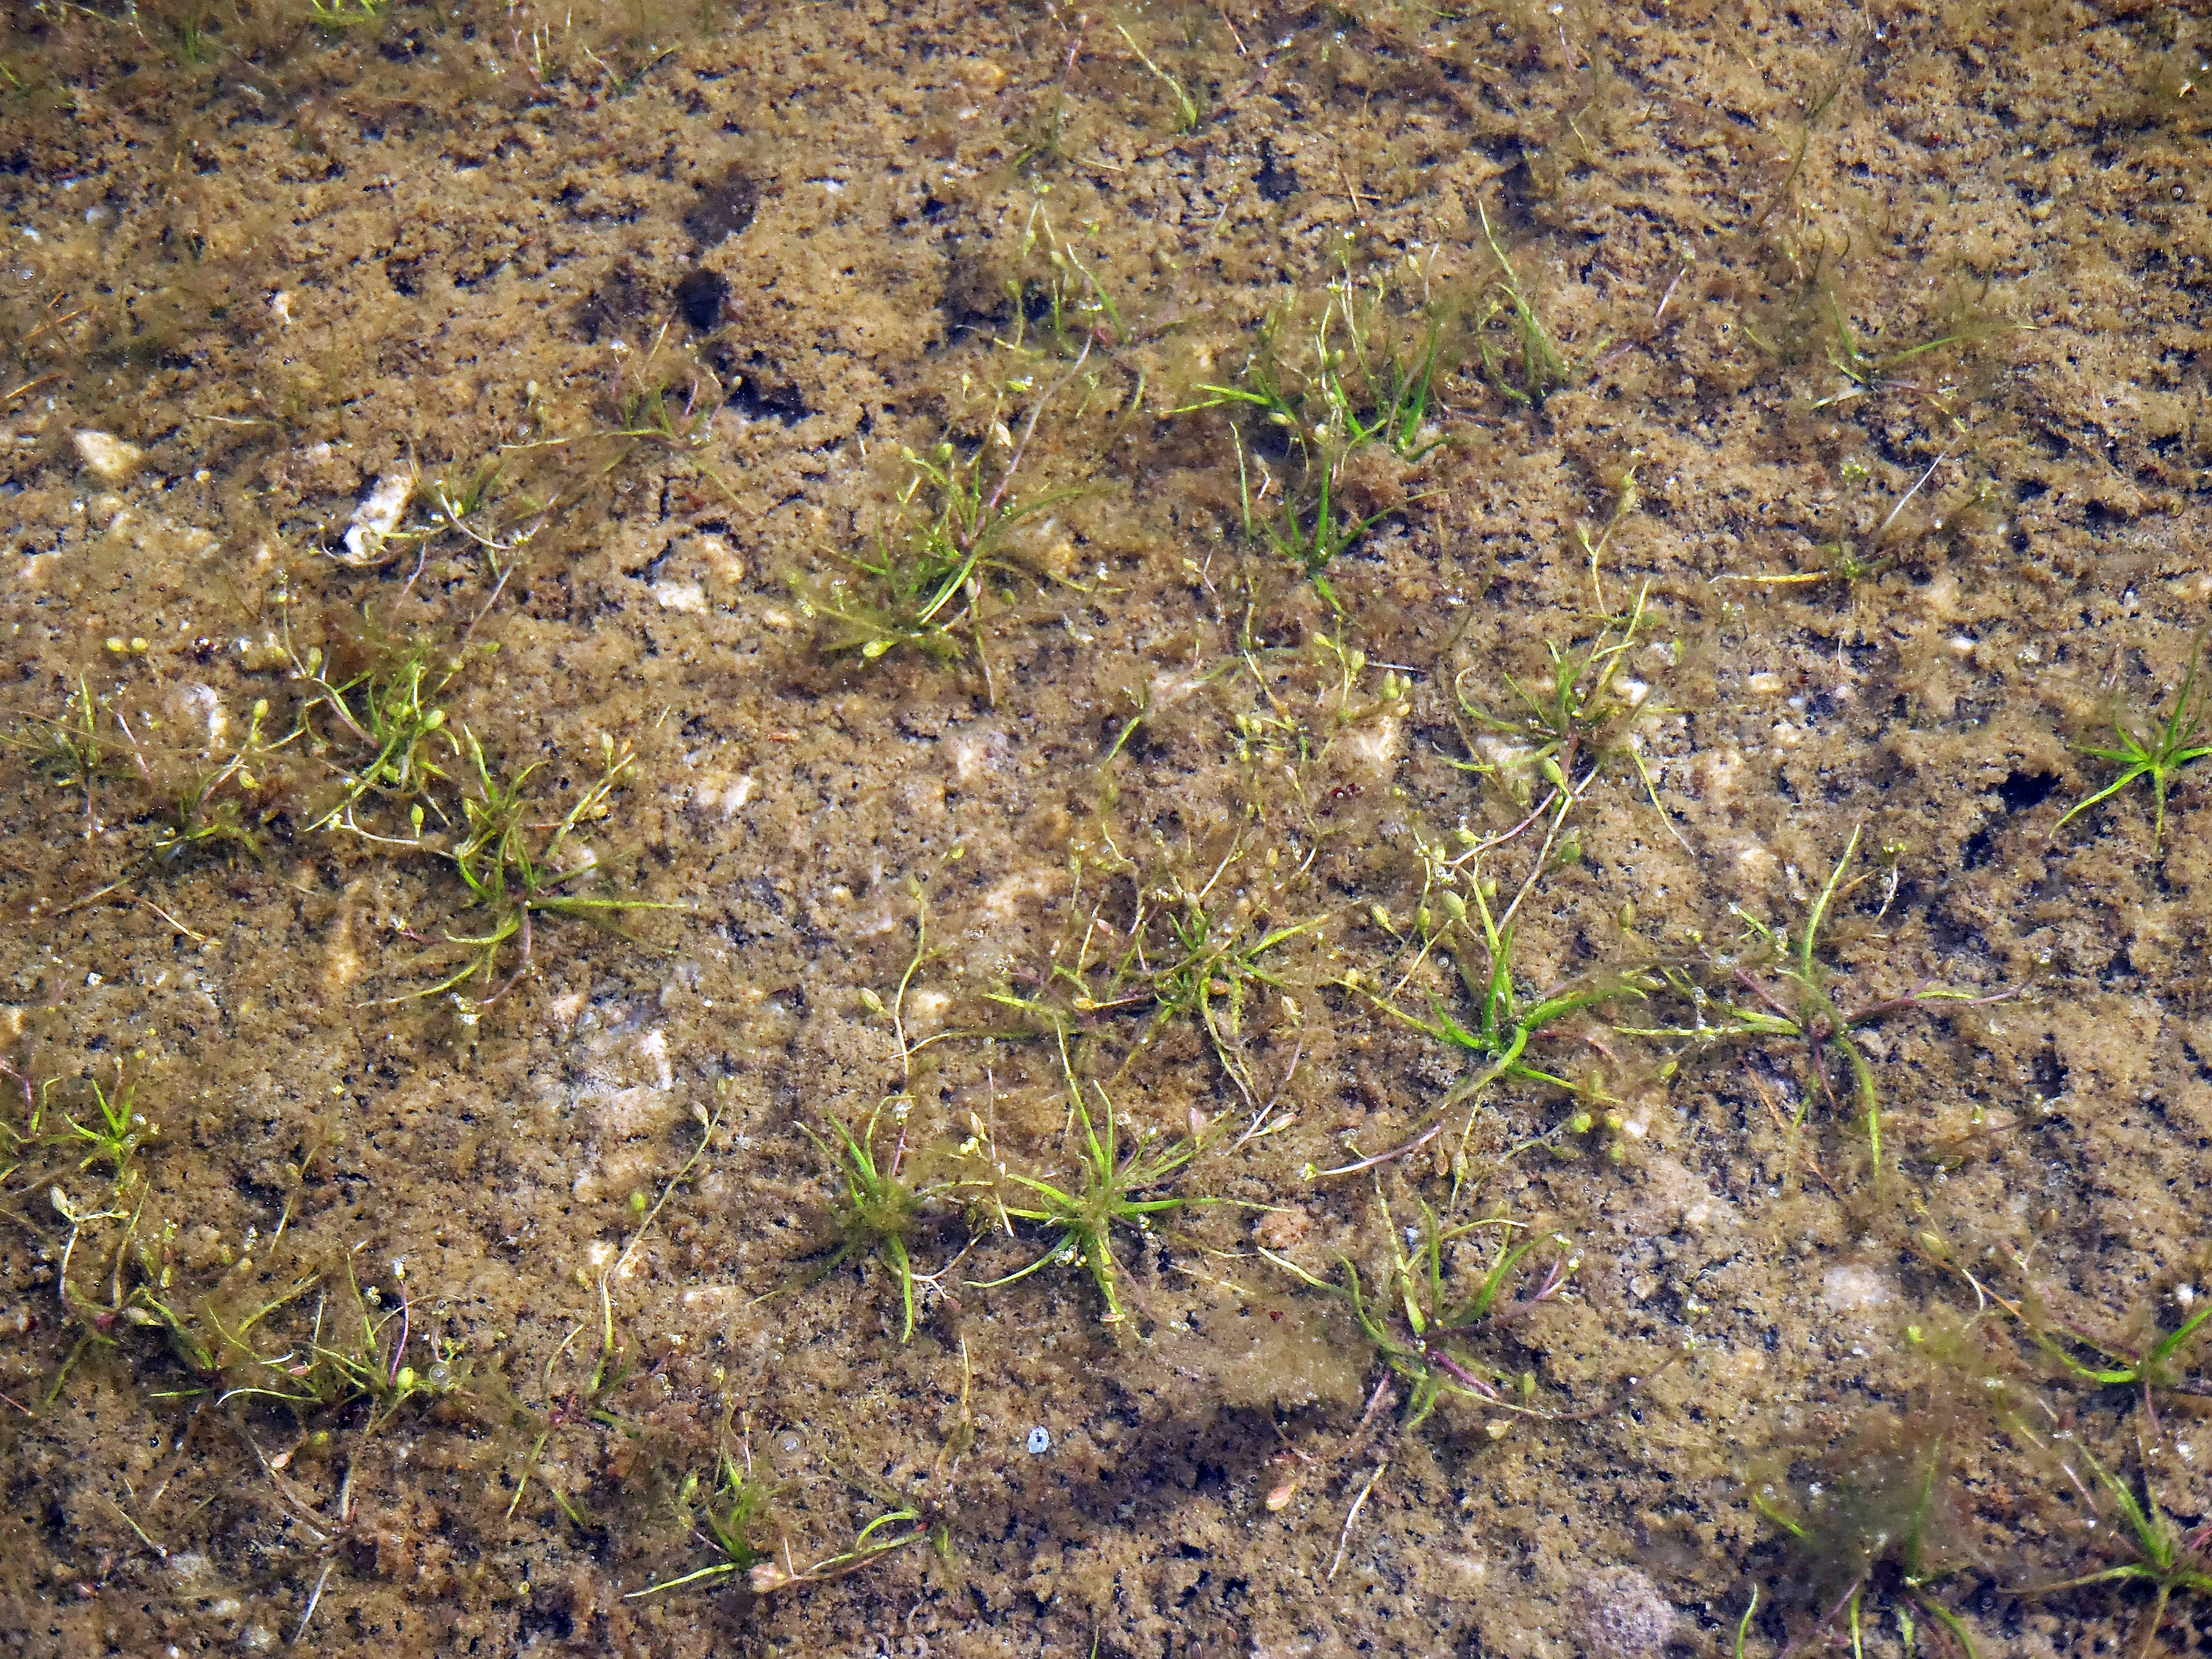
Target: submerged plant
73, 748
1798, 1004
1496, 1041
927, 584
117, 1133
1110, 1190
1351, 386
209, 1336
355, 1355
881, 1212
738, 1513
390, 720
585, 1402
2168, 1560
517, 872
1875, 1528
1417, 1328
1509, 312
1580, 716
733, 1514
2157, 750
2157, 1361
1186, 948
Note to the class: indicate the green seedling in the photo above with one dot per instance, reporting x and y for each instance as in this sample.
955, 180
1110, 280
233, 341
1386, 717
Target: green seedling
1185, 953
1310, 538
2156, 1366
2159, 751
1579, 717
1418, 1329
645, 415
925, 589
734, 1516
1109, 1191
72, 749
883, 1209
517, 878
1352, 390
204, 817
140, 1285
1798, 1005
1743, 1625
32, 1133
1880, 1522
1509, 311
881, 1212
389, 715
1275, 742
118, 1134
1078, 310
2168, 1560
369, 1366
1186, 107
886, 1534
1841, 561
209, 1349
1345, 401
201, 823
588, 1402
1964, 324
739, 1511
928, 585
1497, 1042
196, 816
585, 1402
497, 519
2159, 1364
644, 410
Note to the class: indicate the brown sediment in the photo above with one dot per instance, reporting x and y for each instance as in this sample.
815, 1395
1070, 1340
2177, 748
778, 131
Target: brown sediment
1866, 349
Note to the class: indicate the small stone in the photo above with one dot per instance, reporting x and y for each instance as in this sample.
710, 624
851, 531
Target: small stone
377, 516
1040, 1441
681, 596
109, 457
1624, 1616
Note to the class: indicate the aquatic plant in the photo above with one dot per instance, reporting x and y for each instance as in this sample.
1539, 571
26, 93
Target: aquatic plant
2156, 750
1877, 1525
2166, 1560
1352, 383
1732, 1004
1115, 1186
517, 872
1417, 1328
1192, 945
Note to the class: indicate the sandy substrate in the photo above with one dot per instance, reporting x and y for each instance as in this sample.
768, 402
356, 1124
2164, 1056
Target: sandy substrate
451, 447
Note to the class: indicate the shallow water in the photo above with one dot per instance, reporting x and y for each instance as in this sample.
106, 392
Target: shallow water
602, 601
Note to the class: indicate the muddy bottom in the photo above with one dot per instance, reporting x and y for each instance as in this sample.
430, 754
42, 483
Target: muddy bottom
983, 830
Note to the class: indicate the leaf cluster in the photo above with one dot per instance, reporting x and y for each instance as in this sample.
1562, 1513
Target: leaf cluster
1730, 1001
1114, 1185
1418, 1327
928, 586
2158, 750
1353, 383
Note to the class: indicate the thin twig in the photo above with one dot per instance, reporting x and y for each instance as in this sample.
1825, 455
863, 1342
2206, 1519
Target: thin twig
1343, 1537
313, 1601
1915, 490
